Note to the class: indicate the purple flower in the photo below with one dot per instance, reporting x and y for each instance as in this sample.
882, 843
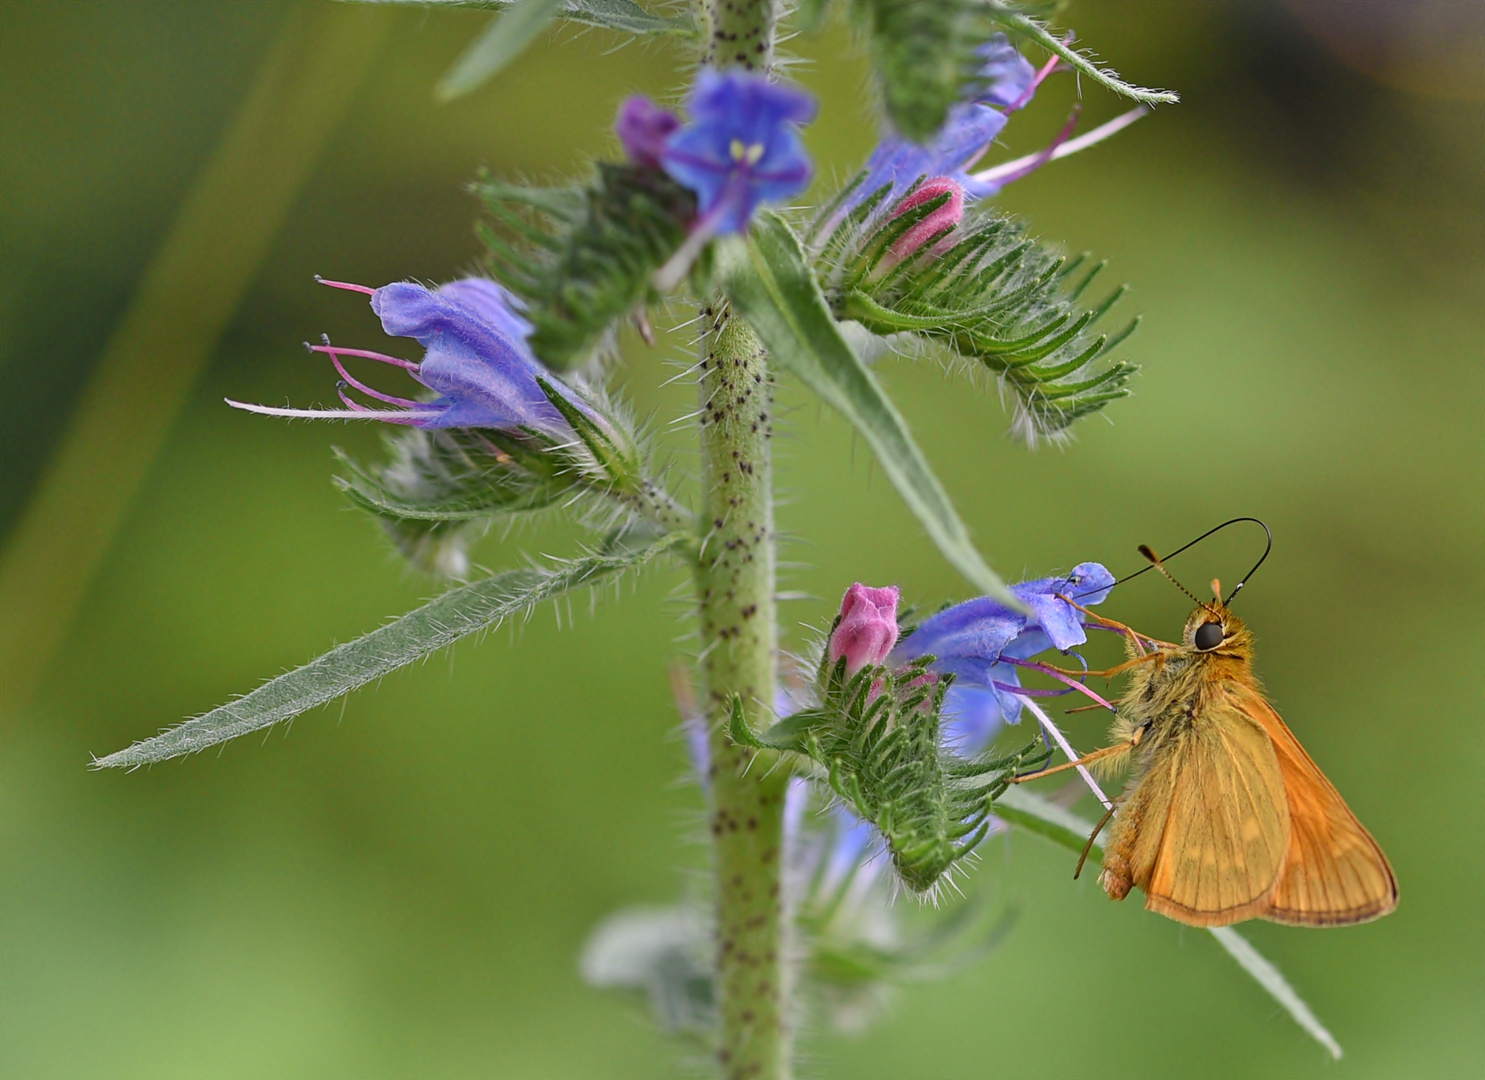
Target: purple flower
476, 361
741, 148
643, 127
978, 640
972, 125
866, 629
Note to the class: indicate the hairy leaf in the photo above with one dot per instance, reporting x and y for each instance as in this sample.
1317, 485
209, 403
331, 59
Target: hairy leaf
625, 16
468, 609
772, 285
1020, 25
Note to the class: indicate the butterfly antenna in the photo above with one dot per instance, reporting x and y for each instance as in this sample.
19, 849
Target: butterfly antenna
1158, 565
1266, 549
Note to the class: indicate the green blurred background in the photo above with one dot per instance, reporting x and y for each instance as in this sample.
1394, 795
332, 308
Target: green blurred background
401, 887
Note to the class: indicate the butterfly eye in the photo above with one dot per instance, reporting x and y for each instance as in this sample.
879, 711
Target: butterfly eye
1208, 636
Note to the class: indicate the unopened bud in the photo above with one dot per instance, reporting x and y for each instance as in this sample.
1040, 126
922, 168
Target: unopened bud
643, 127
936, 228
867, 628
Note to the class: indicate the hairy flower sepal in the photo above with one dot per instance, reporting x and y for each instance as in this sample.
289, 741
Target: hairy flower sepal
985, 291
583, 257
876, 739
439, 482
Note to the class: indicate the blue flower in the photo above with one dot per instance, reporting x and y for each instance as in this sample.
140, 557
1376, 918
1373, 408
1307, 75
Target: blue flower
1008, 81
476, 362
976, 641
741, 148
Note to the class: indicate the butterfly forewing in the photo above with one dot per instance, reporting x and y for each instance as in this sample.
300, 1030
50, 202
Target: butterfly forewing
1226, 830
1335, 873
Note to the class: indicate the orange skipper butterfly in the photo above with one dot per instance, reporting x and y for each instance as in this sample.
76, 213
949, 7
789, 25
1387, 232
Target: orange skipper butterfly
1225, 817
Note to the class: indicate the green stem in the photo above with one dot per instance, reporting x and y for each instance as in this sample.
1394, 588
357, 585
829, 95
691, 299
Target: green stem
735, 591
735, 588
741, 33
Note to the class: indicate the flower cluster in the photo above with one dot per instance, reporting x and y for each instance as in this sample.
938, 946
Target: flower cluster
476, 362
984, 644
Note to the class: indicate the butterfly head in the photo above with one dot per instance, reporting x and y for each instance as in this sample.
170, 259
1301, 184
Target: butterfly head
1213, 628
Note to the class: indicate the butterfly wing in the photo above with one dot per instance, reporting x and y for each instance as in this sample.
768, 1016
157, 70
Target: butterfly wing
1335, 873
1227, 828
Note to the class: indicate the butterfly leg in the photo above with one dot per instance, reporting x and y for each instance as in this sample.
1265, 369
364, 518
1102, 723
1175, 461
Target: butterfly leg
1089, 845
1086, 759
1137, 640
1107, 673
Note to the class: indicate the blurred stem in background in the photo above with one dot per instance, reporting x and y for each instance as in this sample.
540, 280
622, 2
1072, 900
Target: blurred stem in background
209, 257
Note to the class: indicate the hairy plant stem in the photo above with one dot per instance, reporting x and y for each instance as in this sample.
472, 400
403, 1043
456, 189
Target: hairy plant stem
741, 33
735, 588
739, 620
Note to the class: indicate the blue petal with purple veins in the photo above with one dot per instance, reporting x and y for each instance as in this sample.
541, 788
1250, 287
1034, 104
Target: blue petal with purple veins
485, 377
741, 147
476, 360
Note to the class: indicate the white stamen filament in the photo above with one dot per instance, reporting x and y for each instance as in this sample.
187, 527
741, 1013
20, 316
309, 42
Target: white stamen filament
1072, 755
397, 417
1072, 146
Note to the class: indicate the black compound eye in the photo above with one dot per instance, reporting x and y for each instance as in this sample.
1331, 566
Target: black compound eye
1208, 636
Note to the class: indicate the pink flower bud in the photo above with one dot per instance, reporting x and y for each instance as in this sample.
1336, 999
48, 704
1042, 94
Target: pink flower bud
935, 228
643, 127
867, 629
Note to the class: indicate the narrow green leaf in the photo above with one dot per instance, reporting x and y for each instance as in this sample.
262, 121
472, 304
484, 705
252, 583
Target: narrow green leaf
771, 284
1036, 814
623, 15
468, 609
1268, 977
502, 41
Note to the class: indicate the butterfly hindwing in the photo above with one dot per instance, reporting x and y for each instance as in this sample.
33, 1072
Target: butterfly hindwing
1335, 873
1227, 829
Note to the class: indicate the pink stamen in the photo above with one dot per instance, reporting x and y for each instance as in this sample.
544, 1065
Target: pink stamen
1045, 670
1009, 689
1046, 69
351, 403
344, 285
1036, 161
367, 354
407, 403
